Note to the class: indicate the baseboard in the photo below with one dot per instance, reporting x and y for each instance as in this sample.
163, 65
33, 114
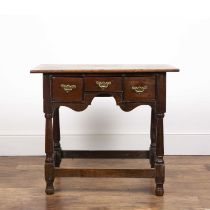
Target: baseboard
175, 144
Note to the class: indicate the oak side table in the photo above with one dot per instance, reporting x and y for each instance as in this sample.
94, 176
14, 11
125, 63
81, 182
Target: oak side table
75, 86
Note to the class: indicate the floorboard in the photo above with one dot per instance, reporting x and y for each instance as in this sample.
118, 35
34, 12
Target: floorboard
187, 186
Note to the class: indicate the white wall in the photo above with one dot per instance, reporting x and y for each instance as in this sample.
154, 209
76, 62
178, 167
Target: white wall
171, 32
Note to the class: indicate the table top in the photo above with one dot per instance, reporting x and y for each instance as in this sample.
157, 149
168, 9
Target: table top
102, 68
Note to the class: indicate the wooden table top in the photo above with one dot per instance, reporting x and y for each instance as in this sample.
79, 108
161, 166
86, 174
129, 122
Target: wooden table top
102, 68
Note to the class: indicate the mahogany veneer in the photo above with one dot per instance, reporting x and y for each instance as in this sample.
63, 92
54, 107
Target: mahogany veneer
75, 86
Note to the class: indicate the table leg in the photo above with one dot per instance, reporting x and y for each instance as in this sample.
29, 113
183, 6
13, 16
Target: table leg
159, 163
152, 152
56, 137
49, 161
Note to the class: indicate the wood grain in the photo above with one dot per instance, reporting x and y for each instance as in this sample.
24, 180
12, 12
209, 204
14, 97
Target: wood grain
105, 154
58, 93
115, 84
109, 173
102, 68
150, 88
130, 89
147, 94
187, 186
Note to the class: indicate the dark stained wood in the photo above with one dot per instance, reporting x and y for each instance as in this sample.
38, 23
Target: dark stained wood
112, 173
161, 93
67, 89
132, 154
46, 94
75, 86
49, 142
49, 161
104, 84
159, 115
159, 163
131, 94
102, 68
152, 153
56, 137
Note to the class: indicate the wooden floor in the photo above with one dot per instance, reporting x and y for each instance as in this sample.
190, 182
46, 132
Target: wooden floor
187, 186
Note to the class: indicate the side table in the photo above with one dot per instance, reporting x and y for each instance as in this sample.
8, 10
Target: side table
75, 86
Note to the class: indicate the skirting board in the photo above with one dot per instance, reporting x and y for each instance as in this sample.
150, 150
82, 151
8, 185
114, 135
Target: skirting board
175, 144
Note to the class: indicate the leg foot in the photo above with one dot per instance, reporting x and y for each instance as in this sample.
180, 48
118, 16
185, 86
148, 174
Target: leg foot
160, 176
49, 189
49, 178
159, 191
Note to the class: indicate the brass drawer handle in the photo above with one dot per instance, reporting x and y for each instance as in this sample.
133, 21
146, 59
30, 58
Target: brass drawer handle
139, 89
103, 85
67, 88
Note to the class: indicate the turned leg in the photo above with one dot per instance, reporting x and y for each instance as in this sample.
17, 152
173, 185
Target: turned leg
49, 162
152, 150
56, 137
159, 162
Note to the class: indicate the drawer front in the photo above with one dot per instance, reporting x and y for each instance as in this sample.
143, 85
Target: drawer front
103, 84
67, 89
139, 88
